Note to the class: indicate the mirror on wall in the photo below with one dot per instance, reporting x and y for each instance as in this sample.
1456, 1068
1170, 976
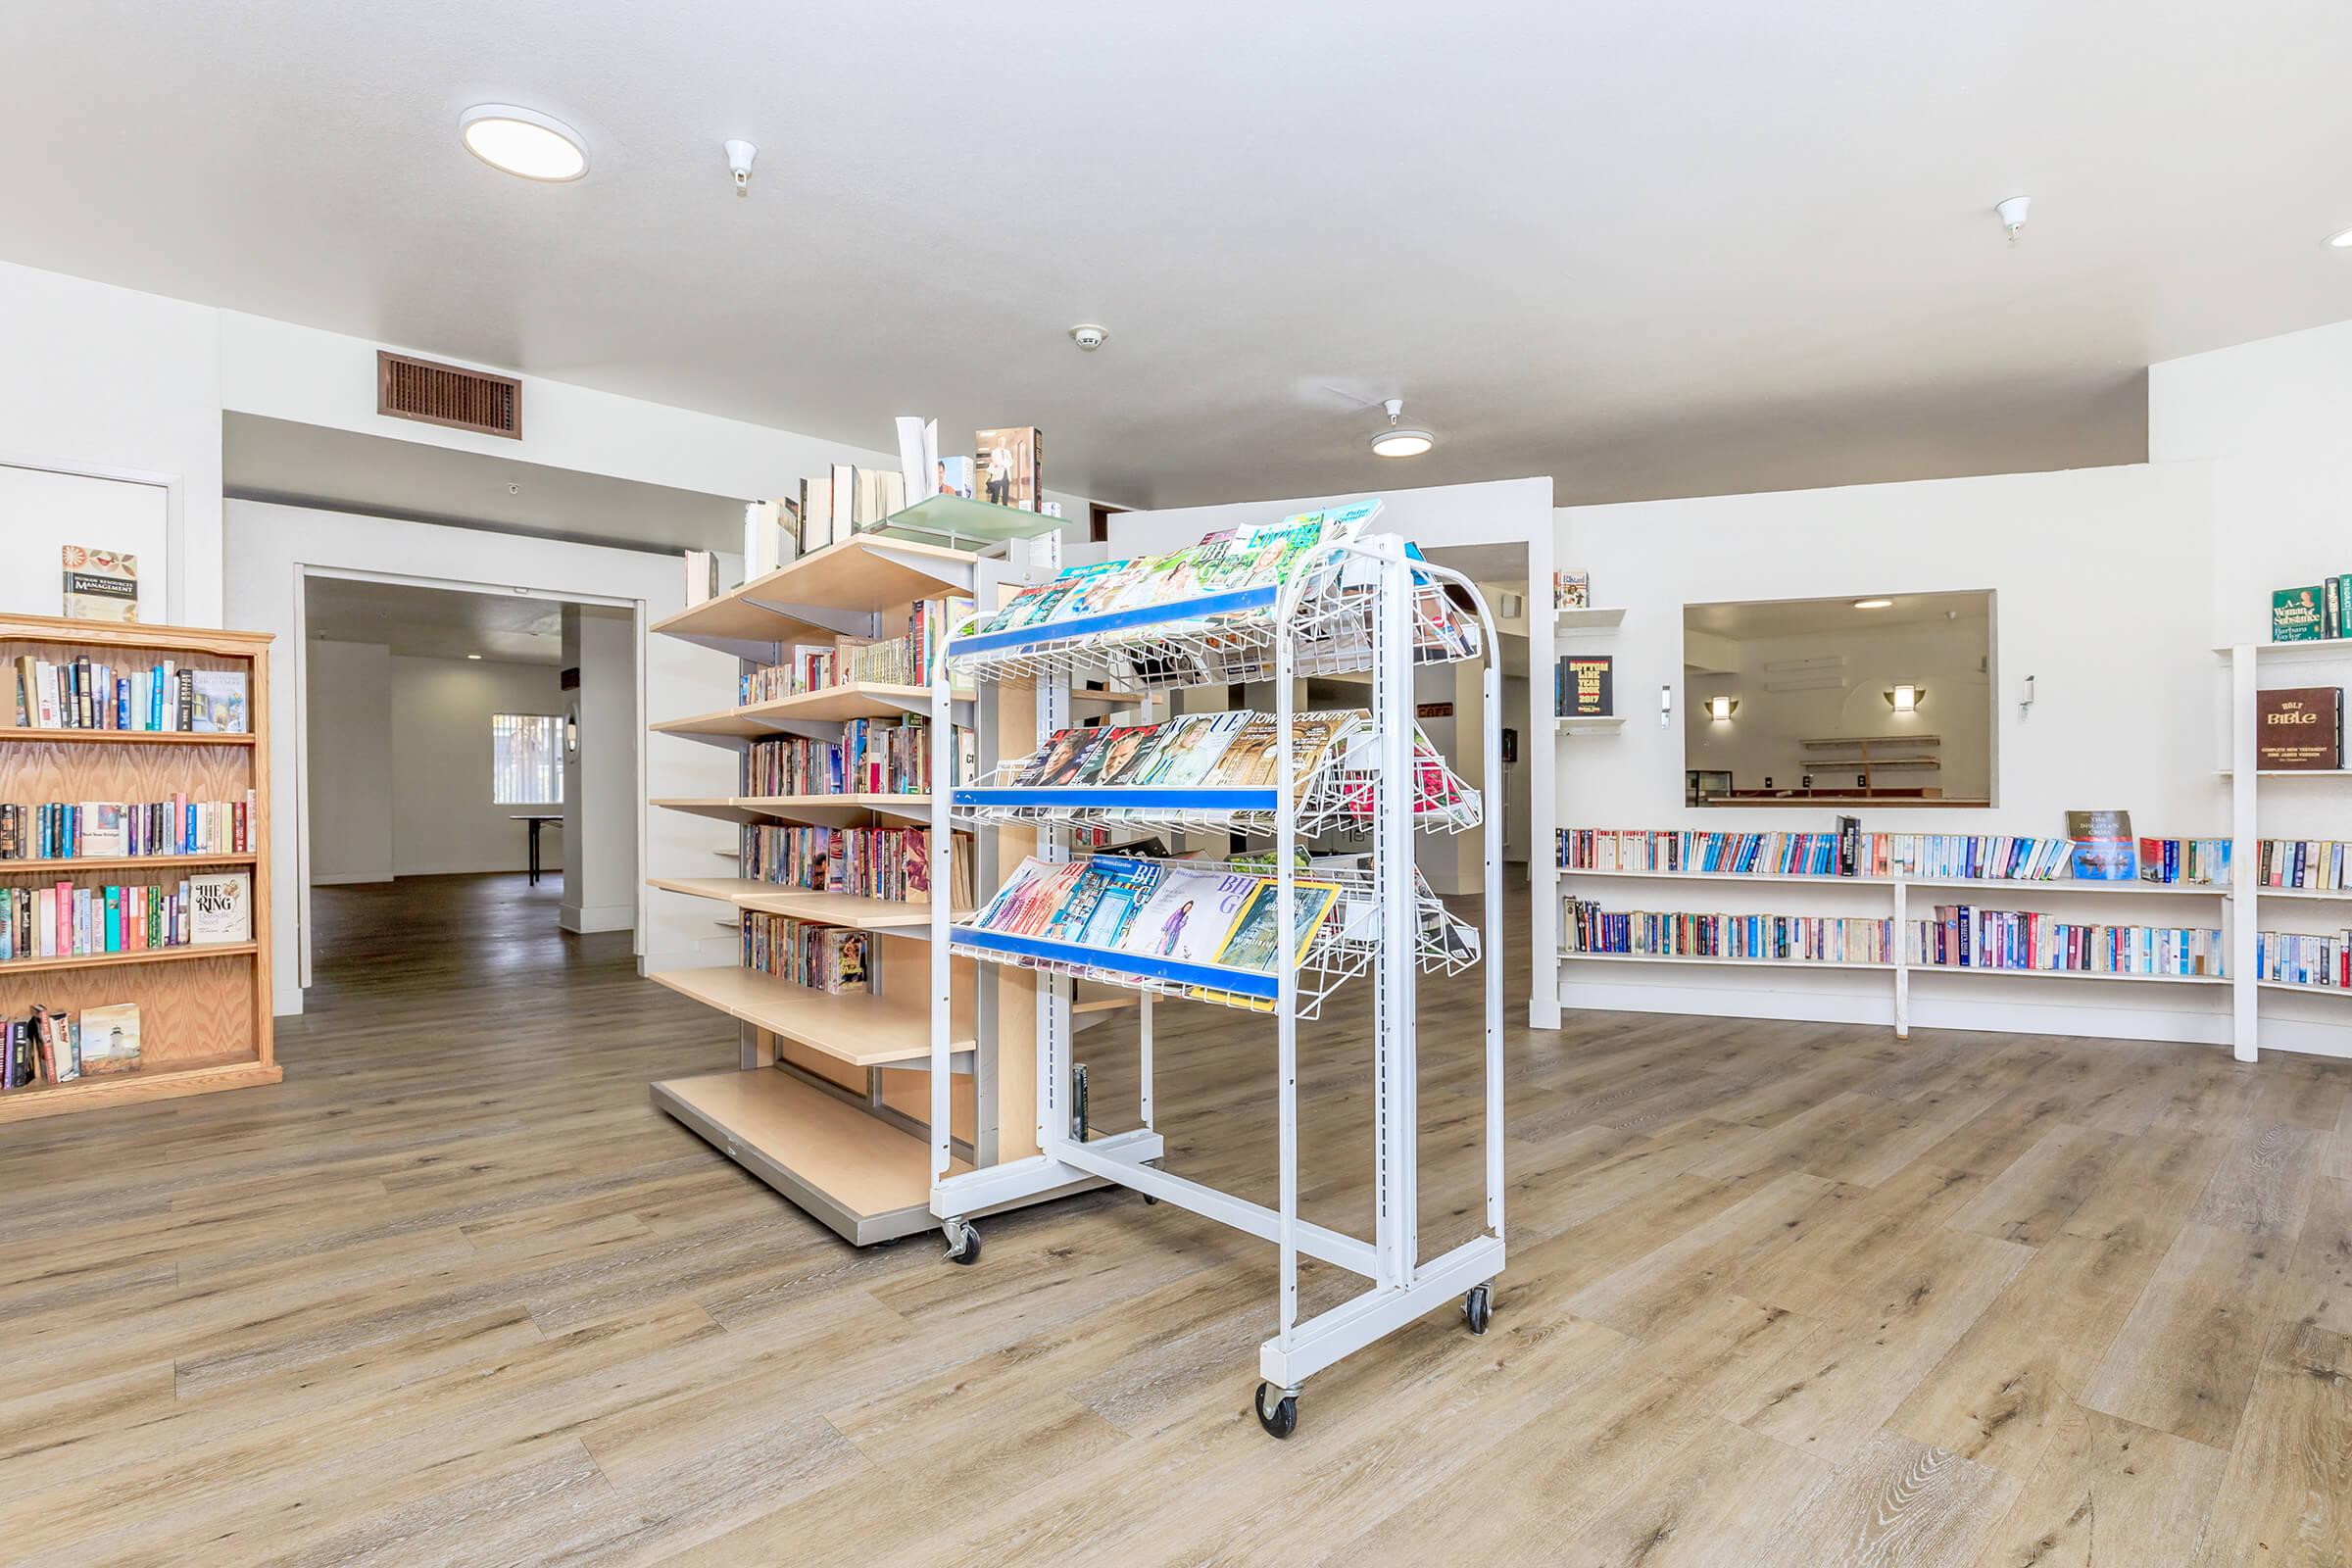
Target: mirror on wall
1883, 700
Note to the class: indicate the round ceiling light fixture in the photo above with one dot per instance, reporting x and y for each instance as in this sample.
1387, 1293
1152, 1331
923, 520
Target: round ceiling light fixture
1874, 603
523, 142
1398, 440
2341, 241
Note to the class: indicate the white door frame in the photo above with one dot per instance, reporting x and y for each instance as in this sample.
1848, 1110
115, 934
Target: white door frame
303, 573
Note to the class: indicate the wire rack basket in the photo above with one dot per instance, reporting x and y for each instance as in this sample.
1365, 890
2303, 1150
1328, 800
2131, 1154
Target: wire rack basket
1344, 947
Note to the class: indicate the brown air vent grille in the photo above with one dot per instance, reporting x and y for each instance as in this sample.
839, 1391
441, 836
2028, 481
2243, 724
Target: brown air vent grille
409, 388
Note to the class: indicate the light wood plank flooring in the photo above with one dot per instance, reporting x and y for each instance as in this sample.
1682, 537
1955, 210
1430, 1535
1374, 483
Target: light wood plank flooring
1779, 1294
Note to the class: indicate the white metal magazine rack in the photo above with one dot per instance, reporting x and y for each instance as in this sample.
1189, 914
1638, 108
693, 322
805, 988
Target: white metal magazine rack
1350, 605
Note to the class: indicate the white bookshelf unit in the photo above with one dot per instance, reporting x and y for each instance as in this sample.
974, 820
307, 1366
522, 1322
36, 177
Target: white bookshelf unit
829, 1102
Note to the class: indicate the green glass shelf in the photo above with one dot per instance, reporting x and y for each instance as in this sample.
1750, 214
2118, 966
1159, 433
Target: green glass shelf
956, 522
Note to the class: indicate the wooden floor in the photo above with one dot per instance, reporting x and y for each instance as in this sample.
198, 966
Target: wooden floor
1779, 1294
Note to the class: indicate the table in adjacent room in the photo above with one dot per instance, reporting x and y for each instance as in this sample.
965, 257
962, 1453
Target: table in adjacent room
537, 821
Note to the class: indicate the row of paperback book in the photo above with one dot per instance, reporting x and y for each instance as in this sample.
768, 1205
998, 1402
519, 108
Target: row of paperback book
54, 1046
1671, 933
808, 952
901, 660
873, 757
2323, 963
2316, 866
866, 863
1966, 938
2321, 611
1851, 852
64, 830
69, 923
83, 694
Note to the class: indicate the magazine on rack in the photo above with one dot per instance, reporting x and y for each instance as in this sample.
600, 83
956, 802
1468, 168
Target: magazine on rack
1187, 917
1188, 752
1103, 899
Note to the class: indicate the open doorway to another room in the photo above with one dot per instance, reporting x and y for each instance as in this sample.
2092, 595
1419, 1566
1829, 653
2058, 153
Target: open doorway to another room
470, 767
1447, 698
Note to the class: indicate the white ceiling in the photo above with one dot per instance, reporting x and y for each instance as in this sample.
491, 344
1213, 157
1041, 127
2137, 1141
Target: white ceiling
435, 622
1797, 617
310, 464
1648, 249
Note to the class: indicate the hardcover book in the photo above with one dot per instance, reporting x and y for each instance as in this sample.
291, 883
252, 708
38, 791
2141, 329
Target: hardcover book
1586, 686
101, 584
222, 909
219, 700
2104, 849
2299, 728
1011, 464
2296, 615
109, 1038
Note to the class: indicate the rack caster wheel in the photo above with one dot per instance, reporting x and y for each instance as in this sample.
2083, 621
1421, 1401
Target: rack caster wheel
1479, 1308
963, 1244
1148, 1199
1283, 1419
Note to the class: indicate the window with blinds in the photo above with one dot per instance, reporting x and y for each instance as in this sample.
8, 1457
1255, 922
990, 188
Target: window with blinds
526, 760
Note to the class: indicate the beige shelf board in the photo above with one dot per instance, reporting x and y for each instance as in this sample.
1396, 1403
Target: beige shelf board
102, 961
164, 1081
860, 1029
67, 864
862, 575
832, 810
855, 1171
121, 737
829, 909
760, 721
1111, 698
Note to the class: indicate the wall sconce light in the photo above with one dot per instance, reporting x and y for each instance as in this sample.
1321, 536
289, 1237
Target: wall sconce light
1665, 706
1721, 709
1906, 698
571, 733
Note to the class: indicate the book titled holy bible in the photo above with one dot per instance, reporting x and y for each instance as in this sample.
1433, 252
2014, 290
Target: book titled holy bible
2299, 728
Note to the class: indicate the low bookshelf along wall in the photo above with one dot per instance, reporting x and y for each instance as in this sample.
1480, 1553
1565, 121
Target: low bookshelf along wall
203, 1019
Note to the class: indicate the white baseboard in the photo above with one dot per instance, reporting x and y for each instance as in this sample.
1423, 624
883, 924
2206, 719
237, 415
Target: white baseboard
285, 1003
598, 917
347, 878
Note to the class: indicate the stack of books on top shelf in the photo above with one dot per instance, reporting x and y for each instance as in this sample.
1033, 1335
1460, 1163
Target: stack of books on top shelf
1675, 933
2293, 958
2322, 610
867, 862
873, 757
163, 698
65, 921
903, 660
1961, 937
63, 830
2316, 866
823, 957
54, 1046
1847, 853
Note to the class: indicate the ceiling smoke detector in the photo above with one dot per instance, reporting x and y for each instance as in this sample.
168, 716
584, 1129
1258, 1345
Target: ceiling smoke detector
1089, 337
1400, 440
2012, 214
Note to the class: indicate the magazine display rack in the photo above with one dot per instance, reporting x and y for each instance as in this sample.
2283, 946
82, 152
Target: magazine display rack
1349, 607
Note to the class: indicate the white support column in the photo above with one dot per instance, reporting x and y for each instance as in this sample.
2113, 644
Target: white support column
1902, 960
2245, 994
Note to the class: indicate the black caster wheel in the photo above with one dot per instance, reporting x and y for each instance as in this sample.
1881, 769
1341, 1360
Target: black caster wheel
967, 1250
1479, 1308
1148, 1199
1283, 1419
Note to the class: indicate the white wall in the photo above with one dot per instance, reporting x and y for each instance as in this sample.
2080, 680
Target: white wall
2100, 596
42, 512
444, 820
2273, 422
109, 381
600, 782
268, 543
351, 755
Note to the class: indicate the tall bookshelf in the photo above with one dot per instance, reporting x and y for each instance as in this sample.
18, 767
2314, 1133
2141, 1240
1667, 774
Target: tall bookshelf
830, 1100
204, 1011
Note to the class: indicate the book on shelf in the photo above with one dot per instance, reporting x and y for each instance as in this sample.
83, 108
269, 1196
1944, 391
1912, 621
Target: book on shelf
65, 830
892, 864
1571, 590
83, 693
100, 585
1584, 686
1012, 462
702, 576
904, 659
919, 457
2105, 850
220, 907
873, 757
65, 921
2323, 963
808, 952
2297, 614
50, 1046
1849, 851
2312, 865
767, 544
1588, 928
1960, 936
2299, 729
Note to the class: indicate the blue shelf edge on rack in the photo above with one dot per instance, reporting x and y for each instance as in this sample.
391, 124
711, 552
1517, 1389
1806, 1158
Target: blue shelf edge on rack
1129, 797
1055, 631
1208, 976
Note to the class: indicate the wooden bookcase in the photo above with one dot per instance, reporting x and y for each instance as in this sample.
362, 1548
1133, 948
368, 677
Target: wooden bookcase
204, 1011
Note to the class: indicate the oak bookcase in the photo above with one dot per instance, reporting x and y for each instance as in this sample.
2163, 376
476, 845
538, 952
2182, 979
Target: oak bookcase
204, 1011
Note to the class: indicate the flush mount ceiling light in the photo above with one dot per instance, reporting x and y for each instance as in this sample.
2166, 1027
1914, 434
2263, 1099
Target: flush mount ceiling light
1874, 603
473, 656
523, 142
2341, 241
1400, 441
